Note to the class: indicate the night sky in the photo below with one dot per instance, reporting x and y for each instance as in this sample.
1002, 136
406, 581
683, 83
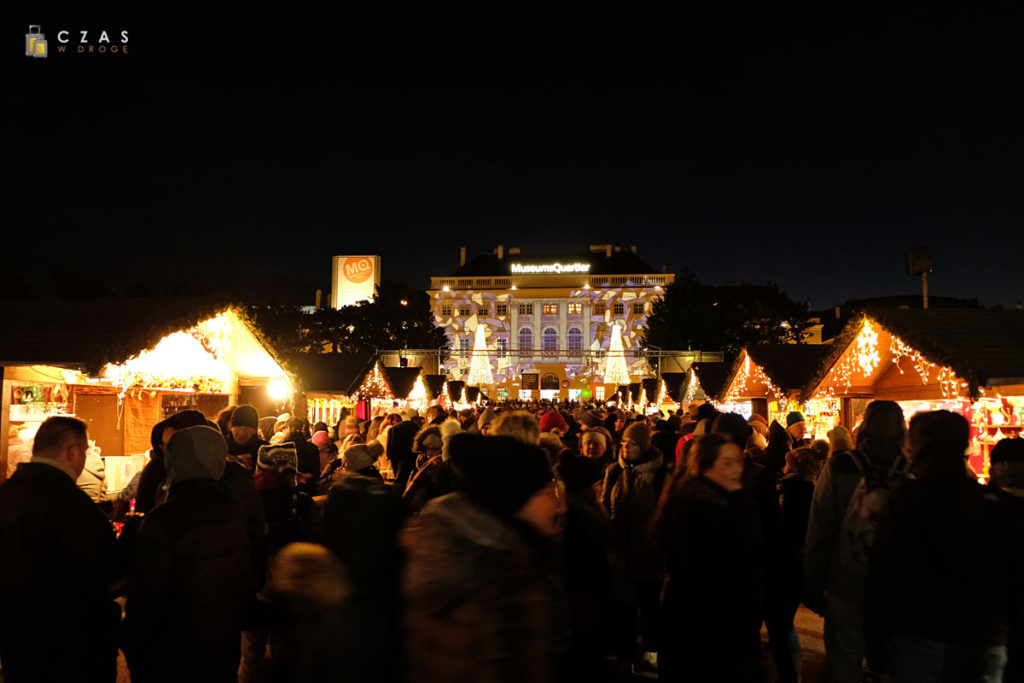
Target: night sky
239, 154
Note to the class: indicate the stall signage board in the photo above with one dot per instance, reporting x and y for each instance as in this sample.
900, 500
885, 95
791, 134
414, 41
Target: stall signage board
353, 279
531, 381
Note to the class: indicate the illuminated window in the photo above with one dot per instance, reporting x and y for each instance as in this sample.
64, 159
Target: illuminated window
465, 284
575, 340
464, 347
550, 340
599, 392
598, 309
550, 309
465, 310
446, 310
502, 346
618, 309
500, 309
575, 308
526, 339
525, 309
638, 309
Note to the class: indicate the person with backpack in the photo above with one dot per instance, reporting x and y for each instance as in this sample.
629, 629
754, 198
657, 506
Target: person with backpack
850, 494
942, 583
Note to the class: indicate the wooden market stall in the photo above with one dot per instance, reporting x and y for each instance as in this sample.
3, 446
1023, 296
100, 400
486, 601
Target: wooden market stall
122, 365
705, 382
969, 361
769, 379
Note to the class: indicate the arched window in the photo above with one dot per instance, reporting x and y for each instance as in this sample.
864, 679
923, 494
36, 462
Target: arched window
575, 340
550, 339
526, 339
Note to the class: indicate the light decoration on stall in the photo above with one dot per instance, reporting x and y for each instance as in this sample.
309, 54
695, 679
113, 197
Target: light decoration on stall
950, 385
860, 359
215, 334
480, 365
691, 389
643, 397
178, 361
375, 385
616, 371
751, 374
662, 393
419, 391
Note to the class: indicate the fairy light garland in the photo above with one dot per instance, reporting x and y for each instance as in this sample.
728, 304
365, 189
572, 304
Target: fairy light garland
375, 386
751, 373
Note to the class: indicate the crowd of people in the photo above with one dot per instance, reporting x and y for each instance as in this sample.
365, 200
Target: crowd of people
517, 542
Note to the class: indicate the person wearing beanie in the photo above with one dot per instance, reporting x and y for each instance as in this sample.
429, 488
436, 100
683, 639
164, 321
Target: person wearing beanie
483, 423
189, 581
479, 587
244, 442
149, 493
589, 420
552, 421
629, 495
588, 576
782, 440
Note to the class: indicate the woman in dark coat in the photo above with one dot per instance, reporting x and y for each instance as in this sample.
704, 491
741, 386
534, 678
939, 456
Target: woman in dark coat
711, 604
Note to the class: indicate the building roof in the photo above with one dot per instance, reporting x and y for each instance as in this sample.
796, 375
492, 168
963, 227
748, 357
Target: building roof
835, 319
336, 373
984, 347
89, 333
712, 378
788, 366
620, 262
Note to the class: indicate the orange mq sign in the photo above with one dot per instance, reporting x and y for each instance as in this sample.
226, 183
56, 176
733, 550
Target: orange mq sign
357, 270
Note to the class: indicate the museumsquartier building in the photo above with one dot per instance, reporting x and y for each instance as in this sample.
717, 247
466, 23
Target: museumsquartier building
548, 325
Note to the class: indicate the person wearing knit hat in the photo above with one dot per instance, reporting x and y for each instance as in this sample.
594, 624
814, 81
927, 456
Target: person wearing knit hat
483, 423
632, 486
360, 459
196, 539
589, 420
244, 442
551, 421
150, 493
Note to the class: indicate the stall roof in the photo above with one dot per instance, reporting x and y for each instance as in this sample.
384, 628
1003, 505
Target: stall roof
788, 366
713, 377
675, 383
435, 384
401, 380
87, 334
984, 347
337, 373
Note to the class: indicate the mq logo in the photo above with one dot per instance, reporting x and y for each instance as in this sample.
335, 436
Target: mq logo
357, 270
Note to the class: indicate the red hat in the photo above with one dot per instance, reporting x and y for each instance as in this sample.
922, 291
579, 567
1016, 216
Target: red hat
553, 420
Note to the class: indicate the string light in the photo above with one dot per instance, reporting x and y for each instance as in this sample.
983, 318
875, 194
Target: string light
752, 374
616, 371
375, 385
480, 365
419, 390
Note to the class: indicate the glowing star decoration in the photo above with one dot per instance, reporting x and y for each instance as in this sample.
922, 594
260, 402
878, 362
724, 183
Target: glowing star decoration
480, 365
616, 371
866, 349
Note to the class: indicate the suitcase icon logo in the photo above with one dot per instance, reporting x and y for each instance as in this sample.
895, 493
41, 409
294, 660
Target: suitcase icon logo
35, 42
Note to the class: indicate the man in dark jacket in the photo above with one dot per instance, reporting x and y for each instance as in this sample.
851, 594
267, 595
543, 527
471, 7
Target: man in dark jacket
57, 622
190, 577
244, 441
783, 440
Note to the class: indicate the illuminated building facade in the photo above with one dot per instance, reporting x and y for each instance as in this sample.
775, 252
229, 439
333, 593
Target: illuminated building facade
548, 320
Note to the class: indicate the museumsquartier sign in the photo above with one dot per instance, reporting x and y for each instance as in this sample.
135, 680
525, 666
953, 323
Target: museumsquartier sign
518, 268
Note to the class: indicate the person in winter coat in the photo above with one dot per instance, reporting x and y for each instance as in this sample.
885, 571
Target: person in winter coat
57, 621
478, 599
189, 582
833, 585
944, 566
150, 492
782, 440
433, 477
1006, 479
709, 538
630, 494
585, 544
244, 440
313, 636
362, 519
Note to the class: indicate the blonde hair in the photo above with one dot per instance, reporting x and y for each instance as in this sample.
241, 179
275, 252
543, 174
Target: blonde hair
308, 570
518, 424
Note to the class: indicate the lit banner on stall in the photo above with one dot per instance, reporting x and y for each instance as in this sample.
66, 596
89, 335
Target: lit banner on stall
556, 268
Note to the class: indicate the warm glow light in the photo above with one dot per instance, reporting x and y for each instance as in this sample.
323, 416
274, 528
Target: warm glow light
279, 389
480, 365
752, 374
419, 390
616, 371
178, 361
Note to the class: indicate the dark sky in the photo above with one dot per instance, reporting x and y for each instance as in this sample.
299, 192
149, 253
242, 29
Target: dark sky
241, 153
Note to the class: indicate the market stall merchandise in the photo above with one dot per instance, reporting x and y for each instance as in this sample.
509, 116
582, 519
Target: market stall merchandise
122, 365
969, 361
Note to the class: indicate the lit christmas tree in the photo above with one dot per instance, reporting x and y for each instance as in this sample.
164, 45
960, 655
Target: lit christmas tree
480, 365
419, 390
616, 372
